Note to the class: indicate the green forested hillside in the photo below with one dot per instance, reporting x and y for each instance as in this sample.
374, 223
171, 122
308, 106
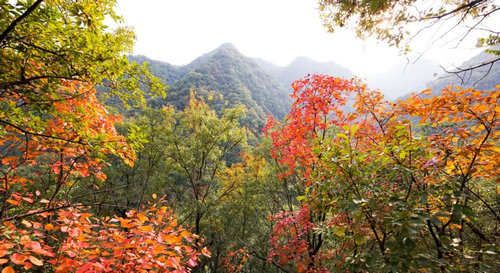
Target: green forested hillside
165, 71
225, 78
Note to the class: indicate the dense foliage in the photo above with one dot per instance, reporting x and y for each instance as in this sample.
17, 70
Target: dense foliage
56, 137
383, 193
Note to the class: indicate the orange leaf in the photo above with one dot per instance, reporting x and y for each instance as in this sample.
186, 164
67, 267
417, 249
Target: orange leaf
14, 202
146, 228
185, 234
49, 227
205, 252
10, 160
8, 269
3, 261
27, 266
172, 239
35, 261
158, 249
143, 218
18, 258
125, 223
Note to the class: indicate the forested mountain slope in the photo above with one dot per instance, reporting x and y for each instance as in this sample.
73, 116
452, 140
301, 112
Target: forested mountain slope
226, 78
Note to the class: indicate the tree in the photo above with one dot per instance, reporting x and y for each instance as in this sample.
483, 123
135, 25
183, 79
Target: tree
46, 43
391, 21
55, 134
383, 192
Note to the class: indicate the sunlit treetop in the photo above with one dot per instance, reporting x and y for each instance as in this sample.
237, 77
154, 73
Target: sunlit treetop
392, 21
42, 42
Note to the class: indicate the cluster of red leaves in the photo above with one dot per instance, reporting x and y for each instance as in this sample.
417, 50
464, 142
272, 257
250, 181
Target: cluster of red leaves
290, 241
74, 241
319, 136
318, 104
74, 137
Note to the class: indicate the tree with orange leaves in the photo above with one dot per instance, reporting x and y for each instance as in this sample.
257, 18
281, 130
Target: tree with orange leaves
55, 135
407, 186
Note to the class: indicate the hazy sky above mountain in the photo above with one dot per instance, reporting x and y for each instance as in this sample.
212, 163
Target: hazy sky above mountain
274, 30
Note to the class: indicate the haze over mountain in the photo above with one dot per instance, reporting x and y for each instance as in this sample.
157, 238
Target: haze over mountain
301, 67
404, 78
482, 78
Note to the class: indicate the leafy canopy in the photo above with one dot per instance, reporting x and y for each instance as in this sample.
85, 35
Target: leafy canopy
393, 21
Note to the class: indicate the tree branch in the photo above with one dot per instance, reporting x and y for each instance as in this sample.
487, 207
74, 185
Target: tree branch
24, 131
14, 23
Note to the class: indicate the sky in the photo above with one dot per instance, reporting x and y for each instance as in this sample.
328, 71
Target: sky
274, 30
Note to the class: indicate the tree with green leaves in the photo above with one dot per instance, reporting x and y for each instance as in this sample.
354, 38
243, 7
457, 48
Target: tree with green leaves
45, 42
55, 135
398, 22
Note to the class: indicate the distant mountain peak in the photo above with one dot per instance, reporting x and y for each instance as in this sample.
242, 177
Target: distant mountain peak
302, 59
226, 46
301, 67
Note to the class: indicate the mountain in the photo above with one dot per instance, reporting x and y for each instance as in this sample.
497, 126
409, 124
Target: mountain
482, 78
301, 67
224, 71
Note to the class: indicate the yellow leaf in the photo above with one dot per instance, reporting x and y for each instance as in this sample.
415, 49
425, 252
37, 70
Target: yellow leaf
155, 196
35, 261
339, 230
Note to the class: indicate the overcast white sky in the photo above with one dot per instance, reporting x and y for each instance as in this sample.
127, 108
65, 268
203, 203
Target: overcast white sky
275, 30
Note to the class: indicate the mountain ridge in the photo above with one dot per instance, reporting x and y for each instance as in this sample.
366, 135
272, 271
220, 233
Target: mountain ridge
227, 72
302, 66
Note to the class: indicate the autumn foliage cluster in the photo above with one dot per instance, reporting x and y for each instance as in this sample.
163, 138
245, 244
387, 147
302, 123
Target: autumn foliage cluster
41, 230
56, 137
406, 186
